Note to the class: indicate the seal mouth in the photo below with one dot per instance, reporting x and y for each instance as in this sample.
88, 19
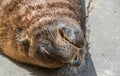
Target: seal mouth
76, 58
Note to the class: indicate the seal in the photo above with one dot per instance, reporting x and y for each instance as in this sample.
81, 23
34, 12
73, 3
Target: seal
46, 33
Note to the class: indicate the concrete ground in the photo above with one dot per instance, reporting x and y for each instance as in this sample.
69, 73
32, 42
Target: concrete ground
105, 37
104, 49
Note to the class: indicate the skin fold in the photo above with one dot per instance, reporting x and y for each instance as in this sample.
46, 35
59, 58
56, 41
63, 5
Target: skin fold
46, 33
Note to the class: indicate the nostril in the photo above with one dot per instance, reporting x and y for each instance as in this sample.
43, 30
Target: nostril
61, 33
75, 58
76, 61
73, 35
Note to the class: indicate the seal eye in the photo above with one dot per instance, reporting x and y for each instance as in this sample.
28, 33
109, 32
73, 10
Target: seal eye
21, 38
19, 29
26, 44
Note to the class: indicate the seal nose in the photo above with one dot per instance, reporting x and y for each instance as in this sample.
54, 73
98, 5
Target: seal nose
73, 35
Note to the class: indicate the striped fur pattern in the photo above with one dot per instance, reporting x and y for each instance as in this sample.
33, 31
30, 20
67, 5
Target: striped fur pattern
26, 25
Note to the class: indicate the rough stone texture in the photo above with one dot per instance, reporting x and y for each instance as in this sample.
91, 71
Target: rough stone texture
104, 57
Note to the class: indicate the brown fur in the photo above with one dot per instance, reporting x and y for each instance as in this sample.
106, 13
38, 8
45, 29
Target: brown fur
19, 20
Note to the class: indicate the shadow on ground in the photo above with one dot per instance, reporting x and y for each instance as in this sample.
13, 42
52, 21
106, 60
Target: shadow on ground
38, 71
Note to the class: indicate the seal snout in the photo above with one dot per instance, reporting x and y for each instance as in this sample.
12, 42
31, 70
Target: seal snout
60, 42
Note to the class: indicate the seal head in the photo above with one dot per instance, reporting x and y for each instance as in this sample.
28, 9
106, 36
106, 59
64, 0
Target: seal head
60, 41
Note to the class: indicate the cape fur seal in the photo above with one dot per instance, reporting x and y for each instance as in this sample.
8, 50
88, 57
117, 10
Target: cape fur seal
46, 33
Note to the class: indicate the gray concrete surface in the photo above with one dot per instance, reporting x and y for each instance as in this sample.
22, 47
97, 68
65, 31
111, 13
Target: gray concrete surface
105, 37
104, 57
